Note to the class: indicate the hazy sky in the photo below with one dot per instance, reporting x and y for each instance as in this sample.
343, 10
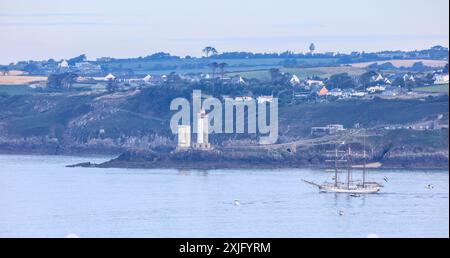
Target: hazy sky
61, 29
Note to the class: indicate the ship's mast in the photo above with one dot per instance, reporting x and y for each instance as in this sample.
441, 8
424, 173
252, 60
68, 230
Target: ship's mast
336, 166
336, 160
364, 157
349, 168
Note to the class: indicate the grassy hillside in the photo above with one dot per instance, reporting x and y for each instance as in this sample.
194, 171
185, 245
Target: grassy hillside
298, 119
301, 72
408, 138
39, 115
138, 114
185, 66
20, 89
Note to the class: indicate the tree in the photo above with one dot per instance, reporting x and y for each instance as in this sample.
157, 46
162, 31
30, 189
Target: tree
418, 67
112, 86
209, 51
409, 84
399, 82
78, 59
214, 66
341, 81
383, 66
365, 79
5, 70
61, 81
161, 56
222, 68
31, 68
312, 48
214, 52
275, 75
173, 77
445, 70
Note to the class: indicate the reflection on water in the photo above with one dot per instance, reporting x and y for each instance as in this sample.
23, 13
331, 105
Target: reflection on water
187, 172
39, 196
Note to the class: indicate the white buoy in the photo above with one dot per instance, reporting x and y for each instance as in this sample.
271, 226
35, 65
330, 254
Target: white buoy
237, 202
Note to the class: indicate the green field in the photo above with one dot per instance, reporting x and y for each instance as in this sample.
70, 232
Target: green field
442, 88
186, 66
24, 89
301, 72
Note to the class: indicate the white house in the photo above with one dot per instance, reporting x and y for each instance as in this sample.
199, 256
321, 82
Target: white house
311, 83
243, 98
205, 76
335, 92
294, 80
147, 78
441, 78
409, 77
238, 80
63, 64
359, 94
375, 89
265, 99
109, 77
377, 78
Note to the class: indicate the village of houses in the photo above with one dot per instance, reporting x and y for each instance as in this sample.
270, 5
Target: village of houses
381, 84
314, 88
311, 89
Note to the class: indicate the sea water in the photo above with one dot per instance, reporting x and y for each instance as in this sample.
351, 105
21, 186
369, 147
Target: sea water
40, 197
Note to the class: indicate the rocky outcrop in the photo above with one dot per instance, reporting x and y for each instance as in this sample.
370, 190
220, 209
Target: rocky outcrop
225, 158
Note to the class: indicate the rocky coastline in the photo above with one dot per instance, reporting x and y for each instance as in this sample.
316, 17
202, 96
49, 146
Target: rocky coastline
260, 158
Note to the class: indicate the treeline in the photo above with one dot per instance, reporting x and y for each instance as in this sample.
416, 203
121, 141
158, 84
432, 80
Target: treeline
436, 52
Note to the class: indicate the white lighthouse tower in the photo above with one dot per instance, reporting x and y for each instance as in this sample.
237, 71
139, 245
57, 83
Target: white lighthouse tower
202, 131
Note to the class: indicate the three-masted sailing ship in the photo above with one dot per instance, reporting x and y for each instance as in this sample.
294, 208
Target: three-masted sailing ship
343, 159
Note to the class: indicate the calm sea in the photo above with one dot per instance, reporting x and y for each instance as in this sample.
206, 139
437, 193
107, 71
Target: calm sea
40, 197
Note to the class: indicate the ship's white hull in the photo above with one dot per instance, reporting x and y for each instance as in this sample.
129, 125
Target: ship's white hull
351, 190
